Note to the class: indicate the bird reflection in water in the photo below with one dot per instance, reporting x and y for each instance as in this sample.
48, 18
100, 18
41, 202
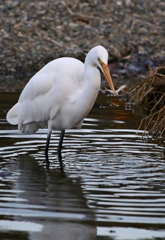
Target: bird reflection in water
55, 202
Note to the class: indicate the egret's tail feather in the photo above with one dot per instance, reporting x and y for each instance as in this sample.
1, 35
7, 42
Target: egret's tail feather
12, 115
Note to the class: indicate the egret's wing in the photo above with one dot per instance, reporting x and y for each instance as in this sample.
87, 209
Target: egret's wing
38, 85
35, 98
45, 93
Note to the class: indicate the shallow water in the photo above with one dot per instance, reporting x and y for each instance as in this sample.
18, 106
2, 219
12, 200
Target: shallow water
113, 185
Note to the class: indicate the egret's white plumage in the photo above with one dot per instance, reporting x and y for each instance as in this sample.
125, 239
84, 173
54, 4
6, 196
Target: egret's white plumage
61, 94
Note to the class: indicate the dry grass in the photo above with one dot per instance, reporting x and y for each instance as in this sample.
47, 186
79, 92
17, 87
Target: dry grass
151, 94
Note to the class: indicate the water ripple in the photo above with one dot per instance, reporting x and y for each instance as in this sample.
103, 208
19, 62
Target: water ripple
113, 184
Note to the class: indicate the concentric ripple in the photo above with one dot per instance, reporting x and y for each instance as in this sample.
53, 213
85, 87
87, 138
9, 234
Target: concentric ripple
113, 185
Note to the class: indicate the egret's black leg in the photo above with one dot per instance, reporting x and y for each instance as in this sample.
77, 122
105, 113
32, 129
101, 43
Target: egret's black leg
47, 148
60, 147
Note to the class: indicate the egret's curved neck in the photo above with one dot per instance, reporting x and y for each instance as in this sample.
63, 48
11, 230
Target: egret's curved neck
91, 72
92, 75
93, 82
89, 60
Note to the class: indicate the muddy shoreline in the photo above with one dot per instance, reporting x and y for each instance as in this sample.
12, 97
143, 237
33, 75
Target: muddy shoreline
35, 32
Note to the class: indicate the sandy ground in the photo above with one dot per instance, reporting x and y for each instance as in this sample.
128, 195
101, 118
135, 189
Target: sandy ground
34, 32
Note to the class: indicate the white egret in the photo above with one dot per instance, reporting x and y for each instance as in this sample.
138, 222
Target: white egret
60, 95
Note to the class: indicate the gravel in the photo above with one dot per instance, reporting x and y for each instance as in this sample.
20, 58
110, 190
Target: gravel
33, 33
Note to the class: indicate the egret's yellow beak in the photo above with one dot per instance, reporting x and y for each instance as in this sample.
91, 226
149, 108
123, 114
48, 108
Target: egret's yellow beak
107, 76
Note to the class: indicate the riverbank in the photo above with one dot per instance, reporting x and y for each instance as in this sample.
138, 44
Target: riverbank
35, 32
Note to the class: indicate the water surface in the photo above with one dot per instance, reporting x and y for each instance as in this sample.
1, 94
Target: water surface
113, 185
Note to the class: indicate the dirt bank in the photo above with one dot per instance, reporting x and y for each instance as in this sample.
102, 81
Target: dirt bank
35, 32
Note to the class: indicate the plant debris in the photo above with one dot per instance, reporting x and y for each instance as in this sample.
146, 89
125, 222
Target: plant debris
151, 94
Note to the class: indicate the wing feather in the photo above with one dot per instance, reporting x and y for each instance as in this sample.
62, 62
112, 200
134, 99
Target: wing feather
46, 92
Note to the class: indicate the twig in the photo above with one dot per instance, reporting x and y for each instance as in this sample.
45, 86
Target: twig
78, 15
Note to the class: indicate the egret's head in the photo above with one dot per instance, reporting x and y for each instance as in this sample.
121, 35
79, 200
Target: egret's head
99, 56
